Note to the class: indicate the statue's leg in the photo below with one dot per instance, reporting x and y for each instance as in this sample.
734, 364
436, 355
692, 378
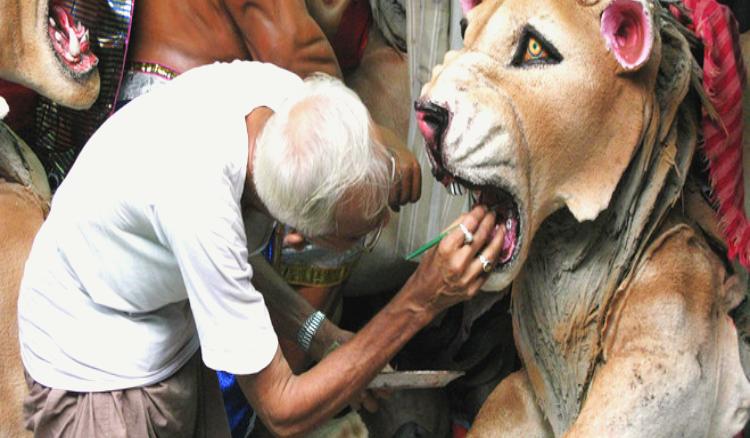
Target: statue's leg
670, 360
20, 218
511, 411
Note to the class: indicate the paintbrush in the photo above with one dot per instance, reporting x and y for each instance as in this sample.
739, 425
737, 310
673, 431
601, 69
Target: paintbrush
419, 251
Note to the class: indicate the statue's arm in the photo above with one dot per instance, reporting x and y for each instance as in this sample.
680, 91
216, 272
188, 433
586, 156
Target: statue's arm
670, 352
511, 410
282, 32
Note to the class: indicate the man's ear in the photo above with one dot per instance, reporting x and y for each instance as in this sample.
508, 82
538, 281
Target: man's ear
628, 30
294, 239
468, 5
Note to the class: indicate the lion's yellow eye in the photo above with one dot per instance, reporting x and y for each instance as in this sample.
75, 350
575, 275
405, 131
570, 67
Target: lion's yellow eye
535, 51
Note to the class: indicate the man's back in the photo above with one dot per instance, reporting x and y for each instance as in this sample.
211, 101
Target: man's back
152, 200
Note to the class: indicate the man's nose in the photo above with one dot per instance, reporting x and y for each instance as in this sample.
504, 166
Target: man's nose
432, 120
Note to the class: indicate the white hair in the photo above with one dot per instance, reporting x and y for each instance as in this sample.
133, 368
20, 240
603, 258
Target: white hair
313, 151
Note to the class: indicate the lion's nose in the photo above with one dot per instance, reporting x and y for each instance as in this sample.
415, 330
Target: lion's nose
432, 120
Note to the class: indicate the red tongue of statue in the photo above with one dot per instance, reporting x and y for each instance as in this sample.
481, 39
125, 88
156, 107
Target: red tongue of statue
65, 21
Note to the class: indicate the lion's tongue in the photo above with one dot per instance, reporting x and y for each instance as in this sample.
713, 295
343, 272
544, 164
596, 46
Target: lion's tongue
506, 218
509, 240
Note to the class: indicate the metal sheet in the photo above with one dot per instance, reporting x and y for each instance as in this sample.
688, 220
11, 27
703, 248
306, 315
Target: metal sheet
413, 379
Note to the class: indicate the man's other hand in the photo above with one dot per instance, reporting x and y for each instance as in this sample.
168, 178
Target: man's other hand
407, 179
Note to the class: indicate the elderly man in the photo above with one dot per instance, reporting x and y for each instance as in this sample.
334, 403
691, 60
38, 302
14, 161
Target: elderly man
140, 272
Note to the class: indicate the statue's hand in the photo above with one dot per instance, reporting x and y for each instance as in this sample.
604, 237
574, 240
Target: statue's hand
406, 186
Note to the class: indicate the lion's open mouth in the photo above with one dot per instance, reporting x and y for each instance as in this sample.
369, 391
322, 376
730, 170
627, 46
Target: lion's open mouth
505, 206
70, 41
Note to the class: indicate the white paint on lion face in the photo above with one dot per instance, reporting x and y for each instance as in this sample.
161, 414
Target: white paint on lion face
557, 134
483, 143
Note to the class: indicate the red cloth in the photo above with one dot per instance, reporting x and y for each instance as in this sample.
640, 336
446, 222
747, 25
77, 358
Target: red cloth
21, 102
459, 430
351, 37
724, 81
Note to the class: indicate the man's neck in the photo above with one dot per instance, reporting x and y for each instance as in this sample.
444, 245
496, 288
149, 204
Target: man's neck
255, 121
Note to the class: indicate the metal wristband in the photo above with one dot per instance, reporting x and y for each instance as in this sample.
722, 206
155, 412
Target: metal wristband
308, 329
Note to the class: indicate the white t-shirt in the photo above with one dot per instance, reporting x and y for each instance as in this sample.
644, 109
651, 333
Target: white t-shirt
144, 257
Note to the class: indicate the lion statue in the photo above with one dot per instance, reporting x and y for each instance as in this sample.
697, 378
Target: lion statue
578, 122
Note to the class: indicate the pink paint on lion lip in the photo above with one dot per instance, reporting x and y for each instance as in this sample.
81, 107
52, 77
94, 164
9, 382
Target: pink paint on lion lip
468, 5
428, 132
626, 27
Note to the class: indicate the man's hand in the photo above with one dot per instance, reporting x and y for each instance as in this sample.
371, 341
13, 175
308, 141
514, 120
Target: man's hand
453, 272
407, 179
293, 404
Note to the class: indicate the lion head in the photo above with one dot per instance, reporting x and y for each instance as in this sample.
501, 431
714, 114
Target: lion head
542, 109
44, 49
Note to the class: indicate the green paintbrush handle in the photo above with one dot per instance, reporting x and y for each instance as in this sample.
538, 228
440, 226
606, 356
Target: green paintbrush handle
431, 243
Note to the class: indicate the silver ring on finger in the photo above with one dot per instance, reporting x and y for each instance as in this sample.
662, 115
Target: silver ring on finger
468, 236
486, 264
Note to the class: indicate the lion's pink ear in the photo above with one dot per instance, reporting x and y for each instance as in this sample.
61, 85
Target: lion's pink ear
628, 29
468, 5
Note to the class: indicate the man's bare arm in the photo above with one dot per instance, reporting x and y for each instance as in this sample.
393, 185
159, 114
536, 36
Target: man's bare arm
282, 32
289, 310
290, 405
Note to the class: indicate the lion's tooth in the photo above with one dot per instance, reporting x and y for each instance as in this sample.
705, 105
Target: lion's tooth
508, 224
52, 22
68, 57
74, 47
58, 36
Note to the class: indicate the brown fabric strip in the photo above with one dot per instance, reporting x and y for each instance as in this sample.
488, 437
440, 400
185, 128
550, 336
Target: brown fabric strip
186, 404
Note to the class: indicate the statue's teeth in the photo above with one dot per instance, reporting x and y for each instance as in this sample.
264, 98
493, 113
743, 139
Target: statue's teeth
74, 46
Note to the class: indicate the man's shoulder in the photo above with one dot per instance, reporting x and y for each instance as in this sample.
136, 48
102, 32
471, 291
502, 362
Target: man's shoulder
238, 66
237, 74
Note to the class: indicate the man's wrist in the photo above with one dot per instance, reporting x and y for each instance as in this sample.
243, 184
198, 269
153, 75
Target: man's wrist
421, 311
308, 330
